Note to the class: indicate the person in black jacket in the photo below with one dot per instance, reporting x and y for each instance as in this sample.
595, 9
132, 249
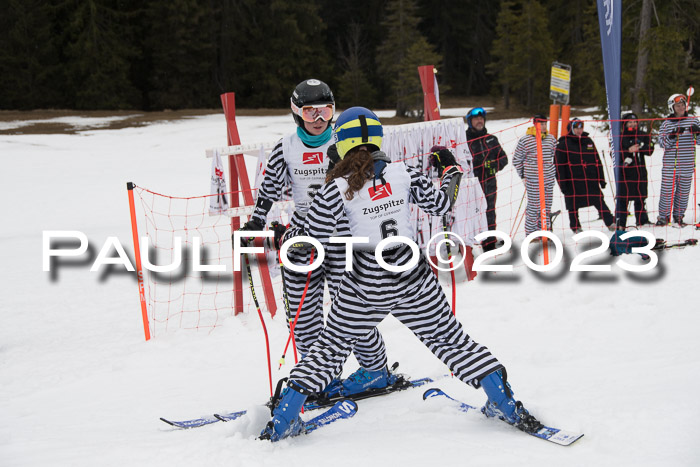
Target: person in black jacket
635, 145
488, 157
580, 175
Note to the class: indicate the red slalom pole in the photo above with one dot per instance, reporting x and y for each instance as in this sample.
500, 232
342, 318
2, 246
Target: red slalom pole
262, 321
296, 317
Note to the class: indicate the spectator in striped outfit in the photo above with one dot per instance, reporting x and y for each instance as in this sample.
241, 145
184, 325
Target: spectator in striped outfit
373, 196
678, 137
525, 163
299, 160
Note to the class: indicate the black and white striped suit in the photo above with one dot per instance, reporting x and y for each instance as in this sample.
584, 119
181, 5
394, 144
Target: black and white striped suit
678, 165
525, 163
369, 293
370, 350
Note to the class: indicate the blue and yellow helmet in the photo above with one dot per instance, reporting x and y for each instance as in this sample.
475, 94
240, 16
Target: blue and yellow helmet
357, 126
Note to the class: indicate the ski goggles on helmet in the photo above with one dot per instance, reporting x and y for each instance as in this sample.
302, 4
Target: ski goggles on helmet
477, 112
311, 113
678, 98
577, 124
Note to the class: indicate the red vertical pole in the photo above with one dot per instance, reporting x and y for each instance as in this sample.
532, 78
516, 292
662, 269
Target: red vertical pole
228, 101
544, 215
239, 173
430, 105
137, 255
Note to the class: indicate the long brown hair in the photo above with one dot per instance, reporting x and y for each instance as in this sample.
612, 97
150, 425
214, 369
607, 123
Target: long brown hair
356, 167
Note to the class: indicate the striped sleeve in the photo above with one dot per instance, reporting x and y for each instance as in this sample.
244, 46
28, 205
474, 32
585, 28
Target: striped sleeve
424, 194
664, 131
273, 183
520, 155
325, 213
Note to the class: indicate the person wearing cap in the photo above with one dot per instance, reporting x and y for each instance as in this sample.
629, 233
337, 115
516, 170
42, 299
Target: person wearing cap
632, 188
488, 158
527, 167
678, 136
580, 175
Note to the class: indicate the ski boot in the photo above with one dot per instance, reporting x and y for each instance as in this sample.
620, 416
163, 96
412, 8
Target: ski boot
285, 415
661, 221
333, 389
501, 404
363, 380
679, 221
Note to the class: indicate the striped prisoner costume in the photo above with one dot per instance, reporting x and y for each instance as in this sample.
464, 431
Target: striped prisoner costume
293, 163
525, 163
678, 165
368, 293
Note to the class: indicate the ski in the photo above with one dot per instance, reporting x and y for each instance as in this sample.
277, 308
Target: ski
345, 408
662, 245
553, 435
401, 384
313, 404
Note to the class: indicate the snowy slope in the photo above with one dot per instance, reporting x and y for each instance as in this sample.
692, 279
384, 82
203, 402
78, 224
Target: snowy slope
614, 355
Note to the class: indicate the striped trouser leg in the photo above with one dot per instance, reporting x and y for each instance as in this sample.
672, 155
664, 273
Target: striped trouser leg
349, 320
667, 182
682, 191
310, 321
428, 315
533, 221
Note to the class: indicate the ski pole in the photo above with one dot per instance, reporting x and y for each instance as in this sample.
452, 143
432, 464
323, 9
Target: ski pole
517, 213
262, 321
689, 93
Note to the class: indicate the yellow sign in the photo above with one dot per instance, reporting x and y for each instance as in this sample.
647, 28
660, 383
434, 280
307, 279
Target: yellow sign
560, 83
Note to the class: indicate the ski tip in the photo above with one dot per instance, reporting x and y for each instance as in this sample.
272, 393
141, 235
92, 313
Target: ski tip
167, 421
431, 393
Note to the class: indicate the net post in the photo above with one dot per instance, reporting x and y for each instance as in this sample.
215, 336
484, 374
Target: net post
137, 257
554, 121
544, 215
565, 113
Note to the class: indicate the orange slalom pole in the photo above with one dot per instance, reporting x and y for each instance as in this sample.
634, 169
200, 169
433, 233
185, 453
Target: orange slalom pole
137, 255
565, 113
554, 120
544, 215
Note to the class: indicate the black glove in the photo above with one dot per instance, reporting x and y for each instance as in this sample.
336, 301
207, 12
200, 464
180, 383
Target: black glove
695, 128
333, 156
251, 225
441, 158
603, 184
672, 136
279, 230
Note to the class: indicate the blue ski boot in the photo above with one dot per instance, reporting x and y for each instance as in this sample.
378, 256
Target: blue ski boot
501, 404
363, 380
285, 416
333, 389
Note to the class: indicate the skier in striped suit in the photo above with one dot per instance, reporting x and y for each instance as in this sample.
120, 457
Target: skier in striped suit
678, 136
372, 195
525, 163
299, 160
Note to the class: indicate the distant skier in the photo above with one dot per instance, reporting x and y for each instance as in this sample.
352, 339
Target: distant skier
526, 165
678, 136
299, 160
372, 195
580, 175
488, 157
636, 145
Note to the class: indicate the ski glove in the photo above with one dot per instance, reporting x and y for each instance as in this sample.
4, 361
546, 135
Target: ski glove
279, 230
628, 160
250, 226
333, 156
442, 158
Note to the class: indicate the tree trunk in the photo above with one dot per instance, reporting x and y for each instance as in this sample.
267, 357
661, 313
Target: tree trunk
642, 57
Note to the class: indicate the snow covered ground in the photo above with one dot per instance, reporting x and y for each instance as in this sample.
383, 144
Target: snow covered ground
614, 355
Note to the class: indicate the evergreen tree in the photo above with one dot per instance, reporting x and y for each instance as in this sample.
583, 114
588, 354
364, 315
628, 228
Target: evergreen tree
30, 72
400, 54
354, 87
523, 53
96, 51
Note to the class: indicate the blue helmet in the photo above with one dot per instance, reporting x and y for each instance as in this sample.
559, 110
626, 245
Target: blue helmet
475, 112
355, 127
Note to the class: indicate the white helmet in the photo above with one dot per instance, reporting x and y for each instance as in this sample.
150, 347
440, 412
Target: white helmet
675, 99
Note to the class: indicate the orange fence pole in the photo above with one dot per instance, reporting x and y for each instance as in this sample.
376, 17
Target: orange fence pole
554, 120
565, 113
137, 255
544, 215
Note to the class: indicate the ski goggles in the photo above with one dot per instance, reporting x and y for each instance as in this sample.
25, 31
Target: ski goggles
577, 124
679, 98
477, 112
311, 113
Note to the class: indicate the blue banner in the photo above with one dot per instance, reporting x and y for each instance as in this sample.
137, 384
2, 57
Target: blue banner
610, 20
